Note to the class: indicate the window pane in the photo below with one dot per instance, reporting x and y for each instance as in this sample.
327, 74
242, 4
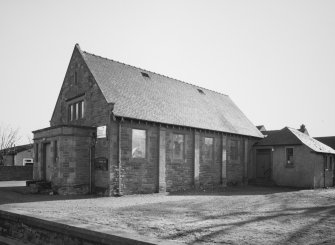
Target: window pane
82, 109
208, 152
289, 155
77, 111
71, 112
138, 143
178, 146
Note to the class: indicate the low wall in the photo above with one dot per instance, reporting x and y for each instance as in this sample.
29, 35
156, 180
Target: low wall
38, 231
16, 173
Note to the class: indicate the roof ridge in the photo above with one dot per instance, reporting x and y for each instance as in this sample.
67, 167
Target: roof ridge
153, 73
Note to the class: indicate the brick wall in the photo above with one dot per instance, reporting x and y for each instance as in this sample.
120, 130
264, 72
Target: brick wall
8, 173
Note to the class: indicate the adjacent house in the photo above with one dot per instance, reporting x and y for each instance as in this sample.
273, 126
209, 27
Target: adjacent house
329, 140
119, 129
20, 155
290, 157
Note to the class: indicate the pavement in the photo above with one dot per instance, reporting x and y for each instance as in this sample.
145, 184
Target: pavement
12, 183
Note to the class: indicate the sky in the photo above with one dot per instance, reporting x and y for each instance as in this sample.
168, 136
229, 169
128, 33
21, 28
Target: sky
275, 59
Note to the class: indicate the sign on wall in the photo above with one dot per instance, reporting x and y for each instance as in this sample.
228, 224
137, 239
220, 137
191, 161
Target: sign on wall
101, 132
101, 163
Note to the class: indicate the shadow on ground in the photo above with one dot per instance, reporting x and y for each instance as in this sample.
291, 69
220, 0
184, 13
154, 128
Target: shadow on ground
232, 191
21, 194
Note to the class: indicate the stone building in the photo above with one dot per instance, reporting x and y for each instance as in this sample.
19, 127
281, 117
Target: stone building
17, 156
290, 157
118, 129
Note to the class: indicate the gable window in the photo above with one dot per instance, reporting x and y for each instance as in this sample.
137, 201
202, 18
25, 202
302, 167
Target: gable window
178, 146
289, 157
233, 149
208, 148
138, 143
76, 110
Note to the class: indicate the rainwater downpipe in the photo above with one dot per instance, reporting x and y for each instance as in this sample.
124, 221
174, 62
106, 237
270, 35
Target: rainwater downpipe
93, 141
324, 170
91, 168
119, 159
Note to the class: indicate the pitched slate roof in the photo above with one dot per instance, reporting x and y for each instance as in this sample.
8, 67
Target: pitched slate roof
17, 149
291, 136
330, 141
269, 132
162, 99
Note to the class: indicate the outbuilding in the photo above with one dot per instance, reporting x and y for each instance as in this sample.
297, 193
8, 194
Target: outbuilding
290, 157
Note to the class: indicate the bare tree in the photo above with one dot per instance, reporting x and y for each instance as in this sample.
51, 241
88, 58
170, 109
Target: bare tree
8, 138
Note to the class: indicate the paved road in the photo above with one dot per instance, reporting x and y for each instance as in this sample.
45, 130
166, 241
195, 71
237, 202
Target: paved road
12, 183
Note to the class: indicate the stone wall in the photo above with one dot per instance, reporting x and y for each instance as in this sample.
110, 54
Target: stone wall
8, 173
159, 171
96, 110
210, 169
179, 173
236, 166
37, 231
140, 175
63, 157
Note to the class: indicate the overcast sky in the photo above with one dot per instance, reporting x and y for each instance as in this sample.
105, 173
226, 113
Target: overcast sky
275, 59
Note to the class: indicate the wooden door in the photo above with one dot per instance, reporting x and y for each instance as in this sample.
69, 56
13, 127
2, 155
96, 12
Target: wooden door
263, 163
47, 162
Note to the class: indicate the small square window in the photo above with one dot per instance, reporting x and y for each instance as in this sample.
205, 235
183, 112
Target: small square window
289, 157
138, 143
178, 146
208, 148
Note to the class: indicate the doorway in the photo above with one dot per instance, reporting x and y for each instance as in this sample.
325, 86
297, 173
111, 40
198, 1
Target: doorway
47, 162
263, 164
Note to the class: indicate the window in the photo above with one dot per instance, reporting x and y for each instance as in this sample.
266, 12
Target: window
76, 110
330, 163
289, 157
178, 146
233, 150
208, 149
138, 145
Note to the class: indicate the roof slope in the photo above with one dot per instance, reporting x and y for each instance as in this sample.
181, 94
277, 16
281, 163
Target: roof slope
291, 136
312, 143
330, 141
166, 100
